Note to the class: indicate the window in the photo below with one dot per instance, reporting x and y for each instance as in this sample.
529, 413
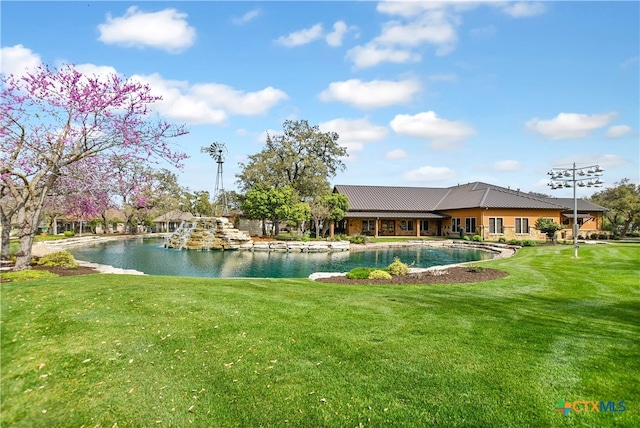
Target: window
522, 225
406, 225
496, 225
455, 224
470, 225
368, 226
424, 225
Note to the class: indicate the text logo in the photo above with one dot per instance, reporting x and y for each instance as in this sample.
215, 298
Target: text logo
585, 406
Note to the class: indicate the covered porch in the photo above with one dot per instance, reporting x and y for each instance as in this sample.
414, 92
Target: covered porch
381, 223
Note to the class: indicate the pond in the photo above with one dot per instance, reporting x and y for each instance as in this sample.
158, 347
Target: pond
149, 256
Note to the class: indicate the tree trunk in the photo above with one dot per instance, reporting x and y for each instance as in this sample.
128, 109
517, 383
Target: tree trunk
264, 228
5, 229
28, 218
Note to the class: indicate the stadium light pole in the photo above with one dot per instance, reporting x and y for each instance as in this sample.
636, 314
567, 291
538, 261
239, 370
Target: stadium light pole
586, 176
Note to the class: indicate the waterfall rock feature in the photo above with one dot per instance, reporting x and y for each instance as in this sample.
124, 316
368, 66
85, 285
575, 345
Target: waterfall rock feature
208, 233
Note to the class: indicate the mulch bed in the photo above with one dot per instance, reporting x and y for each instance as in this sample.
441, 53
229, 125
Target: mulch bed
453, 275
61, 271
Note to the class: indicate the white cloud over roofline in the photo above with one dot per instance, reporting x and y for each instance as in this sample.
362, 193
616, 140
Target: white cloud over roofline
507, 165
445, 135
372, 94
569, 125
396, 154
354, 133
429, 174
618, 131
167, 30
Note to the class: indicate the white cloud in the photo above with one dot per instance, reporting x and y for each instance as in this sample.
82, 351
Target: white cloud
444, 134
17, 59
354, 133
427, 174
433, 23
178, 104
167, 30
370, 55
208, 103
569, 125
618, 131
102, 72
507, 165
340, 29
396, 154
302, 37
433, 28
523, 9
373, 94
605, 161
247, 17
262, 138
238, 102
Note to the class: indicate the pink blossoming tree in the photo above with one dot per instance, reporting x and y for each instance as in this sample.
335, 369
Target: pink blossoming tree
57, 122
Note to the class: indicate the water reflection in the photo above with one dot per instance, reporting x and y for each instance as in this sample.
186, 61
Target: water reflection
149, 256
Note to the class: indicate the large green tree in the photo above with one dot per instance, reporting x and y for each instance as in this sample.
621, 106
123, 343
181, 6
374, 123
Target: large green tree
302, 157
327, 209
276, 204
622, 202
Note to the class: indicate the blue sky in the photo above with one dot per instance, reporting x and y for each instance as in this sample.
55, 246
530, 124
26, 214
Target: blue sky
422, 93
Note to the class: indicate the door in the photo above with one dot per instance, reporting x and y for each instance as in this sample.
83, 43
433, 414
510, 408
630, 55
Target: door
388, 227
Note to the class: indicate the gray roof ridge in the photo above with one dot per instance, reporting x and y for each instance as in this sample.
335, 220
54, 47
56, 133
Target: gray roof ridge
524, 195
484, 197
442, 199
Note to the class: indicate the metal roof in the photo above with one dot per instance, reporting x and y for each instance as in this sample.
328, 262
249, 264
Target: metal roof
382, 198
394, 199
397, 214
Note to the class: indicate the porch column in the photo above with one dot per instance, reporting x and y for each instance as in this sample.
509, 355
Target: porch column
375, 234
417, 226
332, 230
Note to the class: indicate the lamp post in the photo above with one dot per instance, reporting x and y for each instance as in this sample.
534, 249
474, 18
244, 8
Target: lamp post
586, 176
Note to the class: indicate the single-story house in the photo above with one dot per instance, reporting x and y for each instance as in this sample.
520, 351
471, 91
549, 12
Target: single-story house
473, 209
171, 220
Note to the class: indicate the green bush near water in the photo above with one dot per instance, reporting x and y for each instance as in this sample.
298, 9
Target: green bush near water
359, 273
379, 274
60, 259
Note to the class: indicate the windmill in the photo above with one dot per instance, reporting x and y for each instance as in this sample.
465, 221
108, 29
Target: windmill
218, 151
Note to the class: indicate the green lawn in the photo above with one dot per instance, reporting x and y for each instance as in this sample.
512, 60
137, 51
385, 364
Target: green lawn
112, 350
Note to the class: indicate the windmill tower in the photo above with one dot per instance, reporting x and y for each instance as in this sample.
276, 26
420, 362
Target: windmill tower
218, 151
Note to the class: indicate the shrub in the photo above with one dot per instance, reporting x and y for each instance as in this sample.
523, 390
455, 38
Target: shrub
477, 238
69, 233
475, 269
357, 239
529, 243
466, 238
603, 236
515, 242
379, 274
594, 236
502, 239
359, 273
397, 267
27, 275
60, 258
